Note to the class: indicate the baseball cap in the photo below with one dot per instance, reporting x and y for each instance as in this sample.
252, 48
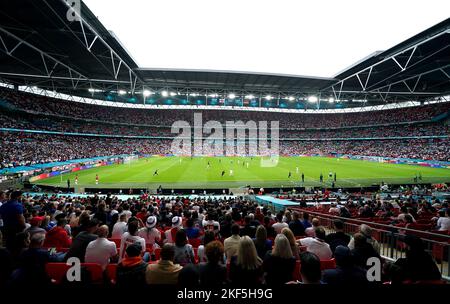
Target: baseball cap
35, 220
151, 222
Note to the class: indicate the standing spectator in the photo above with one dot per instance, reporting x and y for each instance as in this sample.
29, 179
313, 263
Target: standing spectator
101, 251
305, 221
165, 271
270, 230
131, 271
184, 253
231, 244
120, 227
280, 263
317, 244
11, 213
192, 232
130, 237
346, 272
213, 273
262, 244
443, 222
339, 237
171, 233
246, 268
82, 240
296, 225
249, 229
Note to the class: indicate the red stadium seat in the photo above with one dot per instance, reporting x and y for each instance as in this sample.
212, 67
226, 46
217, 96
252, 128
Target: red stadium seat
56, 271
195, 242
296, 274
117, 241
111, 270
96, 272
327, 264
157, 253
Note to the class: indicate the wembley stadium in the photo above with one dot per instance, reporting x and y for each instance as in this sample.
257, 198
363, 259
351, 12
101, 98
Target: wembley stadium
315, 175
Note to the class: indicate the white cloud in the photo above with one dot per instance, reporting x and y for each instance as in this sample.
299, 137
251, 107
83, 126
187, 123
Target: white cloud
318, 38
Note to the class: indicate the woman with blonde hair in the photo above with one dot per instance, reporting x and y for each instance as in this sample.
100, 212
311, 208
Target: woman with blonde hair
291, 238
280, 263
246, 267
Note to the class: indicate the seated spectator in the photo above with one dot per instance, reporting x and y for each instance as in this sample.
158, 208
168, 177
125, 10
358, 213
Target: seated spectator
417, 265
246, 268
279, 225
35, 226
248, 229
363, 250
189, 276
346, 272
131, 271
81, 241
171, 233
184, 253
262, 244
120, 227
213, 272
270, 230
310, 270
207, 238
192, 232
443, 222
310, 231
101, 250
165, 271
296, 224
367, 232
279, 264
306, 223
291, 238
131, 237
58, 237
231, 244
317, 244
150, 234
339, 237
31, 270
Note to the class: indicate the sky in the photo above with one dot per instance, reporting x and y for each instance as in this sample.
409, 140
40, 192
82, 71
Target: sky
298, 37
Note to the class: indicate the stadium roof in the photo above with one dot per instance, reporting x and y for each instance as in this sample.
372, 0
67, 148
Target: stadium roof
41, 47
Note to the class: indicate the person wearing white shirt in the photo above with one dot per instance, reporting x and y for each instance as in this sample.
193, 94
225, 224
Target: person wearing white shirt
130, 237
443, 223
279, 225
150, 234
317, 245
101, 250
120, 227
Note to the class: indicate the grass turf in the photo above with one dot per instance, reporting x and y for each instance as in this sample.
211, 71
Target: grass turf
185, 172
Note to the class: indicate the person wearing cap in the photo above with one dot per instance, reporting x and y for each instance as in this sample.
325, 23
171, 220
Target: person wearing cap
149, 233
171, 233
11, 213
131, 270
35, 223
346, 272
57, 237
101, 251
165, 271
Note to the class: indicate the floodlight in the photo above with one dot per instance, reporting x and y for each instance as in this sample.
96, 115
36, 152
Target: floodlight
232, 96
173, 94
122, 92
91, 90
164, 93
331, 100
249, 96
291, 98
147, 93
268, 97
312, 98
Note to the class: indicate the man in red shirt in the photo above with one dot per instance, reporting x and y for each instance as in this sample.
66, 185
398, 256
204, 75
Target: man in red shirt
58, 237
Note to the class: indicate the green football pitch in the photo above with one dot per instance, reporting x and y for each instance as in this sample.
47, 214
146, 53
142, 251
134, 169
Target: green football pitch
186, 172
